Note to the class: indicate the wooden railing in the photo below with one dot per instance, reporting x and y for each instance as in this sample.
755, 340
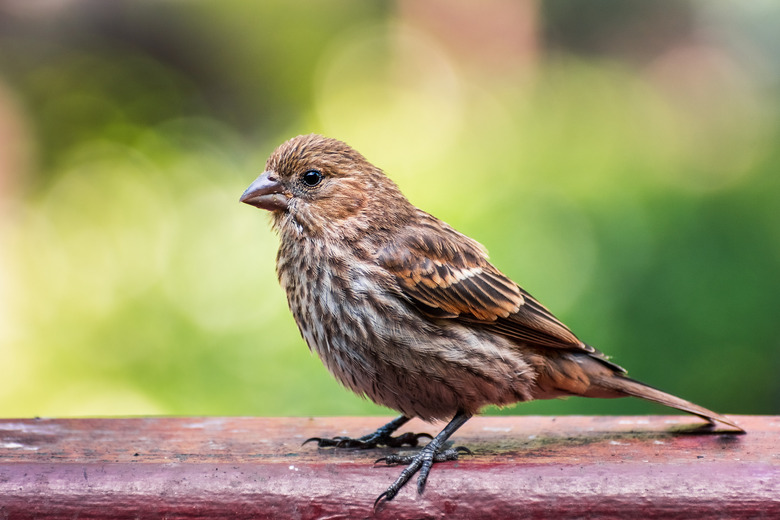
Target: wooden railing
521, 467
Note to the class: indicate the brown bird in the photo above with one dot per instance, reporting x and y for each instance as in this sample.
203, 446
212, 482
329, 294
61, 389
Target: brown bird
405, 310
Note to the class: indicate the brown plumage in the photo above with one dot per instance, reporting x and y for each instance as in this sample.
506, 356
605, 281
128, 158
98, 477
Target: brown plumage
409, 312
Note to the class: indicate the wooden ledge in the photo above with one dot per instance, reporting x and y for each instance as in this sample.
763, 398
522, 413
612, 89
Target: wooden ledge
237, 467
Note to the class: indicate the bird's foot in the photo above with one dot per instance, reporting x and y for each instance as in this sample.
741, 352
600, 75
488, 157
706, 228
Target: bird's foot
372, 440
422, 462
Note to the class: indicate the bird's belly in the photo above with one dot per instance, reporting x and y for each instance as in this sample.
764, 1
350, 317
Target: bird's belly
379, 346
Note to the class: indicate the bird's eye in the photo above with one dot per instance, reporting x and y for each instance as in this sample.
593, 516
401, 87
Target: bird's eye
311, 178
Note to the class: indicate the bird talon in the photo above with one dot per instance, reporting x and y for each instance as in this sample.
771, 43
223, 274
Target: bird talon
387, 496
394, 459
324, 442
421, 484
372, 440
407, 439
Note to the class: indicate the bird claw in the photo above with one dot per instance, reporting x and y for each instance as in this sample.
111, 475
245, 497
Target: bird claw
371, 440
406, 439
394, 459
338, 442
420, 462
386, 496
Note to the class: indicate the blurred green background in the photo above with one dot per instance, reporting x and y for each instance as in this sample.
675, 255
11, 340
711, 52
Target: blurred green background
619, 159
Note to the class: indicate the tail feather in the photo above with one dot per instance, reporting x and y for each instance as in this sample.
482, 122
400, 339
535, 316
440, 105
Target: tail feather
634, 388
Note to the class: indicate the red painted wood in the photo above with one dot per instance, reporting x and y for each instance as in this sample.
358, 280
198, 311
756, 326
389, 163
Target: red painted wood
535, 467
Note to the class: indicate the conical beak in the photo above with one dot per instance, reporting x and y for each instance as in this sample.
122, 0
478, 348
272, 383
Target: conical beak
266, 192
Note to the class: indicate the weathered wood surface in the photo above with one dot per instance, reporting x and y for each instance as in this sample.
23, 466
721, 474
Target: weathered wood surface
534, 467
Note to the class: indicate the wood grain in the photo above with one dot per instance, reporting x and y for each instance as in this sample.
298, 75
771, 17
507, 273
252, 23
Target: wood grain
239, 467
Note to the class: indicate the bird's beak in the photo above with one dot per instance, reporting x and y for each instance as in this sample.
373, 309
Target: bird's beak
266, 192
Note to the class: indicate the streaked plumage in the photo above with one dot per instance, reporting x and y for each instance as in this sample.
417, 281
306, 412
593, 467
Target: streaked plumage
409, 312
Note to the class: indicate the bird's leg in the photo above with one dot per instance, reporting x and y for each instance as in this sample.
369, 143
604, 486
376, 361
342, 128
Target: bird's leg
424, 459
381, 437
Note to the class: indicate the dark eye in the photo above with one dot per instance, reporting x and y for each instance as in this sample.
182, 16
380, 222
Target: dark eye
311, 178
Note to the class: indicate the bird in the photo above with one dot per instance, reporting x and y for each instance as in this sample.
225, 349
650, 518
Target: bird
404, 310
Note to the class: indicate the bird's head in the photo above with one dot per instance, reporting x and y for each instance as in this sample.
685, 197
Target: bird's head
316, 183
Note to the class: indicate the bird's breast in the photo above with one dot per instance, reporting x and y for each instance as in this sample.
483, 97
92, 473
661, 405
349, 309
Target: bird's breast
340, 308
378, 345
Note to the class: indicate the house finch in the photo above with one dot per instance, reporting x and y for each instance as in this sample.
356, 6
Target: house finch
405, 310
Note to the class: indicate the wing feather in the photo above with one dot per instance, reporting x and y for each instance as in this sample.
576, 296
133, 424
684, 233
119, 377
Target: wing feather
447, 275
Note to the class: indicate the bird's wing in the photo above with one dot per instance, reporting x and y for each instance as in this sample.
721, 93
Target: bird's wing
447, 275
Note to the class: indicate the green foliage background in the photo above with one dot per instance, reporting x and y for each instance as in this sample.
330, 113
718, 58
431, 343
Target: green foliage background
633, 188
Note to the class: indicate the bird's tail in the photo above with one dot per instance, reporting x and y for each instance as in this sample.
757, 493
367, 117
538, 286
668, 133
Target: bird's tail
628, 386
